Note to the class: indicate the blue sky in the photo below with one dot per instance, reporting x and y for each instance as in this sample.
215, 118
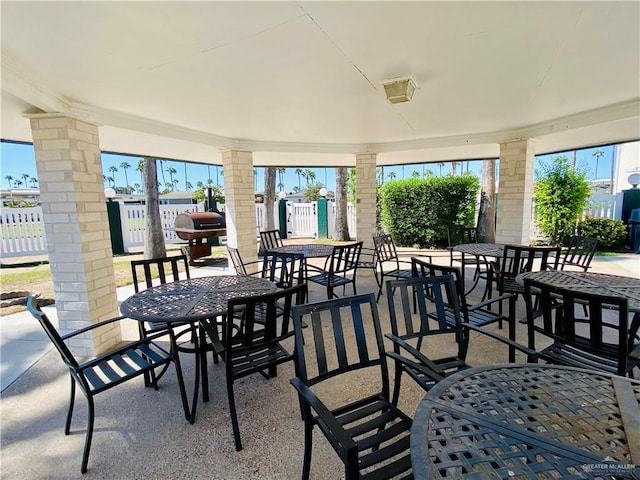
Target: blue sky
17, 160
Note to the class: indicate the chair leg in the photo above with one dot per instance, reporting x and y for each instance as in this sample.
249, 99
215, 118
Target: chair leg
67, 426
308, 445
512, 327
89, 436
234, 415
201, 357
183, 391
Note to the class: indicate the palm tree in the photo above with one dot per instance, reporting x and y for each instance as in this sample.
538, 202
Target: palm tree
171, 171
453, 168
188, 185
9, 179
310, 176
17, 183
113, 169
391, 175
598, 153
281, 171
440, 164
415, 174
125, 166
164, 180
298, 171
140, 168
34, 182
136, 188
25, 177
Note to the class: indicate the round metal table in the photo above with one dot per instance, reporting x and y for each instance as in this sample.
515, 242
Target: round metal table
192, 300
590, 282
308, 250
528, 421
495, 250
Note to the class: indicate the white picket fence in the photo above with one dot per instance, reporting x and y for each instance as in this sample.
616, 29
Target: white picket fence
23, 234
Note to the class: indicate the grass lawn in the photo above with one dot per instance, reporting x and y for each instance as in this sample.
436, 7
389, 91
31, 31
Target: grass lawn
36, 278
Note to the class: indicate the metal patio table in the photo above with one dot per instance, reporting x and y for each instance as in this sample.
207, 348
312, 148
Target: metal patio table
192, 300
528, 421
308, 250
590, 282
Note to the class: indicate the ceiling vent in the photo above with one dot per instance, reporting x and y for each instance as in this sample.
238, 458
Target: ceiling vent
399, 89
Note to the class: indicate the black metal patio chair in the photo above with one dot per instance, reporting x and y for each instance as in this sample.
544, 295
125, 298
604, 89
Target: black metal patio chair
340, 269
436, 323
579, 253
600, 339
251, 339
108, 370
369, 434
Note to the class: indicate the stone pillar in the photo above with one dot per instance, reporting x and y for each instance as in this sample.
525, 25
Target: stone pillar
366, 197
74, 211
515, 192
240, 208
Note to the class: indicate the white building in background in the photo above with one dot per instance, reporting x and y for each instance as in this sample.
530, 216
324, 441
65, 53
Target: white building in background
628, 162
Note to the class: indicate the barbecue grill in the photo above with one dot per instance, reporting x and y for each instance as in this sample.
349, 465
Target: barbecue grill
195, 227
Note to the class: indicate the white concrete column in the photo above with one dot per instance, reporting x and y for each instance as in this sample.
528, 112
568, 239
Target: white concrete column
240, 208
515, 192
366, 197
74, 211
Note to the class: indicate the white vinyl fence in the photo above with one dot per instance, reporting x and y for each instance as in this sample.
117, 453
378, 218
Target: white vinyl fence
22, 229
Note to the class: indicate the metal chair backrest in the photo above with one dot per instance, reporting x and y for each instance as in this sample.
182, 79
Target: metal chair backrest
459, 235
166, 267
344, 259
237, 262
385, 249
579, 253
517, 259
590, 338
438, 310
284, 269
269, 239
67, 357
346, 336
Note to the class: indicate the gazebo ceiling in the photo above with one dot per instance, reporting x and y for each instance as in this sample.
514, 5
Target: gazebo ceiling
295, 81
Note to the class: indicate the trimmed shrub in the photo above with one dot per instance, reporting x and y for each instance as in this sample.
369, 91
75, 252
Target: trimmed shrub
609, 232
418, 211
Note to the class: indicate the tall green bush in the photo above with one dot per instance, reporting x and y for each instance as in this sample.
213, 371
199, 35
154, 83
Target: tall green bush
560, 194
418, 211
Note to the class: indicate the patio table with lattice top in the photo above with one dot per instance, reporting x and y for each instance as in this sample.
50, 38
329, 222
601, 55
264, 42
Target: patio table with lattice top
528, 421
591, 283
189, 301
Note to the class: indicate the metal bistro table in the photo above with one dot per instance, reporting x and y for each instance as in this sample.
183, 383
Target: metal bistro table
527, 421
590, 282
308, 250
480, 250
192, 300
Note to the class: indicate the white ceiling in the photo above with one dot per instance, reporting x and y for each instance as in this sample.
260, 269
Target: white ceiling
299, 82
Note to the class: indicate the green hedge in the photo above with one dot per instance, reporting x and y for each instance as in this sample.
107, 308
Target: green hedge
418, 211
609, 232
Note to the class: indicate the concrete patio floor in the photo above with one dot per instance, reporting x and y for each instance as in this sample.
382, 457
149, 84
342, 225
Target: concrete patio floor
142, 433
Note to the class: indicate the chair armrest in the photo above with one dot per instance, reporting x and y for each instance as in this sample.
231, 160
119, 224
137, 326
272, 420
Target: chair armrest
433, 368
340, 439
532, 354
490, 301
94, 325
436, 377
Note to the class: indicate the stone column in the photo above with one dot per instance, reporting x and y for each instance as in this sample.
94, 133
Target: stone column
74, 210
366, 197
240, 208
515, 192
